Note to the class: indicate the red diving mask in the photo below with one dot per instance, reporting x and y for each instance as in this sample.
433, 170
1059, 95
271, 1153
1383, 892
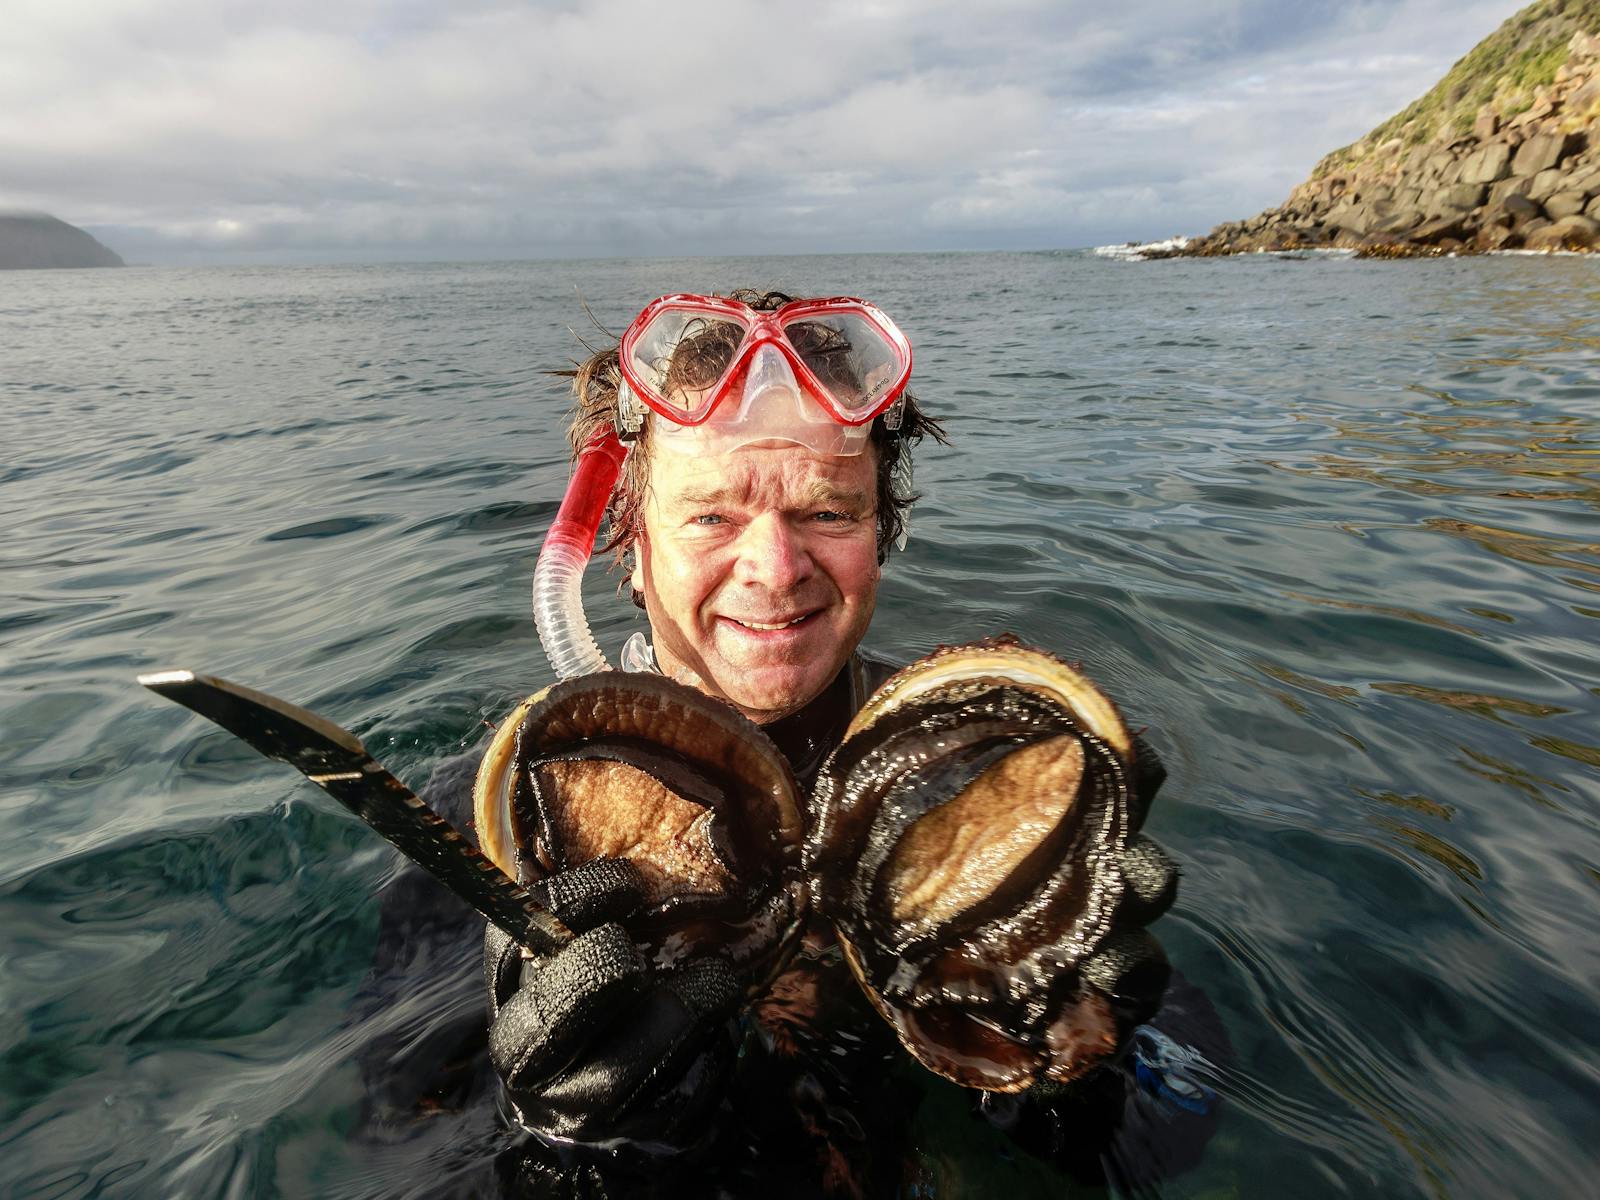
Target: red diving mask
722, 375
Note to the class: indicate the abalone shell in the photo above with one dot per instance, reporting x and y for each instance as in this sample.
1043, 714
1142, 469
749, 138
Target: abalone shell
637, 766
973, 840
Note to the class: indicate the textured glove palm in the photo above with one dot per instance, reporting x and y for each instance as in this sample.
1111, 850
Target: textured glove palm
592, 1043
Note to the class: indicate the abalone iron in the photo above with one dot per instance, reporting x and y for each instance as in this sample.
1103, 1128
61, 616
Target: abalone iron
335, 760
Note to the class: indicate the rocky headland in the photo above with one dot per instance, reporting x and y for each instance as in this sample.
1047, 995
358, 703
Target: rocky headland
1502, 154
30, 241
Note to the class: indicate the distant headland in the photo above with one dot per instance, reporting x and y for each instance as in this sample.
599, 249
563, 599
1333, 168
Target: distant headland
34, 240
1502, 154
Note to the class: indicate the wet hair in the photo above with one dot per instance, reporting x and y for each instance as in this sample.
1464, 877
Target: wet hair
594, 390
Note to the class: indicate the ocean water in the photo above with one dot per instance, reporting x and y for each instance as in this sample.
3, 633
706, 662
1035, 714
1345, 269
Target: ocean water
1328, 528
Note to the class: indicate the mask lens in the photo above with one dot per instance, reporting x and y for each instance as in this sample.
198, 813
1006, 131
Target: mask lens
681, 355
851, 357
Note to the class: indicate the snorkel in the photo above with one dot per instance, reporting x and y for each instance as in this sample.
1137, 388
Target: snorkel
558, 577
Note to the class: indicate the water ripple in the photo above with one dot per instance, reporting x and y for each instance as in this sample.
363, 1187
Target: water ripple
1327, 528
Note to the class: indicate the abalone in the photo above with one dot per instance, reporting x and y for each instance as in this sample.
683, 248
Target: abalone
974, 841
639, 767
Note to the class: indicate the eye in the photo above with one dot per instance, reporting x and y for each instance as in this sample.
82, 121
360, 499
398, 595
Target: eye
706, 519
830, 517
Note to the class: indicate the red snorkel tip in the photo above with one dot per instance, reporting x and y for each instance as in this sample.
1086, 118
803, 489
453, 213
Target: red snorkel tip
558, 578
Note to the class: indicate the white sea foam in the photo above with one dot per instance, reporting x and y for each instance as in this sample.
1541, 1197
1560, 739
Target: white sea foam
1139, 251
1544, 253
1136, 251
1312, 252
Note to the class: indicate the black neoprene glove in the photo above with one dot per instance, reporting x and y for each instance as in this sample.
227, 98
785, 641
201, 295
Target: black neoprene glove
1130, 967
594, 1044
1104, 1126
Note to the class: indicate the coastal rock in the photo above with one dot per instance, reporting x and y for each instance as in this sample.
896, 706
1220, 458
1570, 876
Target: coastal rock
1351, 217
1440, 228
1569, 233
1505, 188
1545, 183
1505, 146
1520, 208
1584, 98
1542, 152
1461, 197
1398, 221
1496, 237
1488, 165
1564, 204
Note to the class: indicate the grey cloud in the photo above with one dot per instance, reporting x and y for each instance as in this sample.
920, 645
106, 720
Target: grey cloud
177, 129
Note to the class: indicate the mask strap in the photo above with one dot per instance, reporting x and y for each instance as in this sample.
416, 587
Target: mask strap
895, 414
901, 484
630, 413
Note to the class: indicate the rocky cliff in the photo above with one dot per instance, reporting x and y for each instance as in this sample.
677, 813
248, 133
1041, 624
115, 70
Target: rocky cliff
29, 240
1503, 153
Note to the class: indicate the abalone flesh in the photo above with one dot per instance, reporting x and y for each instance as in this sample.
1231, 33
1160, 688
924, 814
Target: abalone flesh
636, 766
973, 840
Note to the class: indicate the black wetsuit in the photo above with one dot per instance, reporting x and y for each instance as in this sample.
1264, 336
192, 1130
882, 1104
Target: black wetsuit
823, 1101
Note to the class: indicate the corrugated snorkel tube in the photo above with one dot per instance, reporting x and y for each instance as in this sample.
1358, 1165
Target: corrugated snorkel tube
558, 579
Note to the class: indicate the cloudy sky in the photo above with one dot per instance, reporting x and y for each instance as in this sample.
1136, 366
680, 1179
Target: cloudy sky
339, 130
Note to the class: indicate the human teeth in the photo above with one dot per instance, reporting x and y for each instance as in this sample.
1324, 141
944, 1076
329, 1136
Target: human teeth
761, 625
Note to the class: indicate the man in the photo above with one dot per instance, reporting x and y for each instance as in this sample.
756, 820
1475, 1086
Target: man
767, 480
764, 487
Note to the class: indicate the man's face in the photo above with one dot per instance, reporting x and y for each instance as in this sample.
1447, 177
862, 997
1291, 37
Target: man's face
759, 569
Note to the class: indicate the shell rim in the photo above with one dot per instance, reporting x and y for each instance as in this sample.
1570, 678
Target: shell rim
1009, 661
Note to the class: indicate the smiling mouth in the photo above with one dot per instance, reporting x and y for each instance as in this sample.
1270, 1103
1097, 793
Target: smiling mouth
771, 626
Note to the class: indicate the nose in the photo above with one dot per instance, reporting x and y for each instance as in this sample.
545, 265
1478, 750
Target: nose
773, 554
